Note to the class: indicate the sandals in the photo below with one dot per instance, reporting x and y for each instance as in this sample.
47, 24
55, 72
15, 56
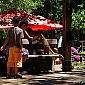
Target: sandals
15, 77
18, 76
8, 77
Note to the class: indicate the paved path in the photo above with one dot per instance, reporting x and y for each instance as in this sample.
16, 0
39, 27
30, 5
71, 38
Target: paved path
57, 78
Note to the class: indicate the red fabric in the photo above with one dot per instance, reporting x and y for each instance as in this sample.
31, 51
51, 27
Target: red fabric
39, 27
76, 56
35, 22
44, 27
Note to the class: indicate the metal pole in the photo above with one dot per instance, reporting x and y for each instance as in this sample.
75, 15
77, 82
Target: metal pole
67, 11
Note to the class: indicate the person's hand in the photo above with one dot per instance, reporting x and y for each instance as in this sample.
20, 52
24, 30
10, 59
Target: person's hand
31, 37
1, 49
23, 49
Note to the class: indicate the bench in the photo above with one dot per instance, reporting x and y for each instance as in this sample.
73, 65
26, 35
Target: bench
51, 42
52, 56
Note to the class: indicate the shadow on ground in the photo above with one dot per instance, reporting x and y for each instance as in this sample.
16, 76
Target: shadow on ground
57, 78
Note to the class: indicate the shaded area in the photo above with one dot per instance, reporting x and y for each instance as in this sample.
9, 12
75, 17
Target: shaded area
57, 78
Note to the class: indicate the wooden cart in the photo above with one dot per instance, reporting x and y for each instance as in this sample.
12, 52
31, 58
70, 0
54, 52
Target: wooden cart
40, 62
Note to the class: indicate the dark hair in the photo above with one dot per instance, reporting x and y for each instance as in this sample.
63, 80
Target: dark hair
24, 21
16, 19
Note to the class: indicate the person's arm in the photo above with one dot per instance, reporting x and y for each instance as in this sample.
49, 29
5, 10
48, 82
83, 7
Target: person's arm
5, 43
21, 37
28, 36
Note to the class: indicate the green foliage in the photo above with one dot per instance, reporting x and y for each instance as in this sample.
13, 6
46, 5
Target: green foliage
3, 34
78, 21
25, 5
51, 9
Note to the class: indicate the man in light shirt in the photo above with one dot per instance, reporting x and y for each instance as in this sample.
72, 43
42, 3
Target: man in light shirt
14, 39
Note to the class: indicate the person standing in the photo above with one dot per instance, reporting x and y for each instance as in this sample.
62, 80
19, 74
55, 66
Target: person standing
75, 53
23, 26
14, 39
60, 44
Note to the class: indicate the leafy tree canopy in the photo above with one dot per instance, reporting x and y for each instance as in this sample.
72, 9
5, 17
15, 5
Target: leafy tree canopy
51, 9
78, 19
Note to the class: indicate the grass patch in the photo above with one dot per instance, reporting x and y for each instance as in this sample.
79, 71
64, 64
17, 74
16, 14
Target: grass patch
79, 65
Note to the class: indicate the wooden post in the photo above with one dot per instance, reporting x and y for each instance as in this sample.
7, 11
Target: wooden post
67, 11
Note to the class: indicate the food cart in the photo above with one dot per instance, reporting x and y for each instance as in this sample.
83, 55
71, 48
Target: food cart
40, 61
36, 62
